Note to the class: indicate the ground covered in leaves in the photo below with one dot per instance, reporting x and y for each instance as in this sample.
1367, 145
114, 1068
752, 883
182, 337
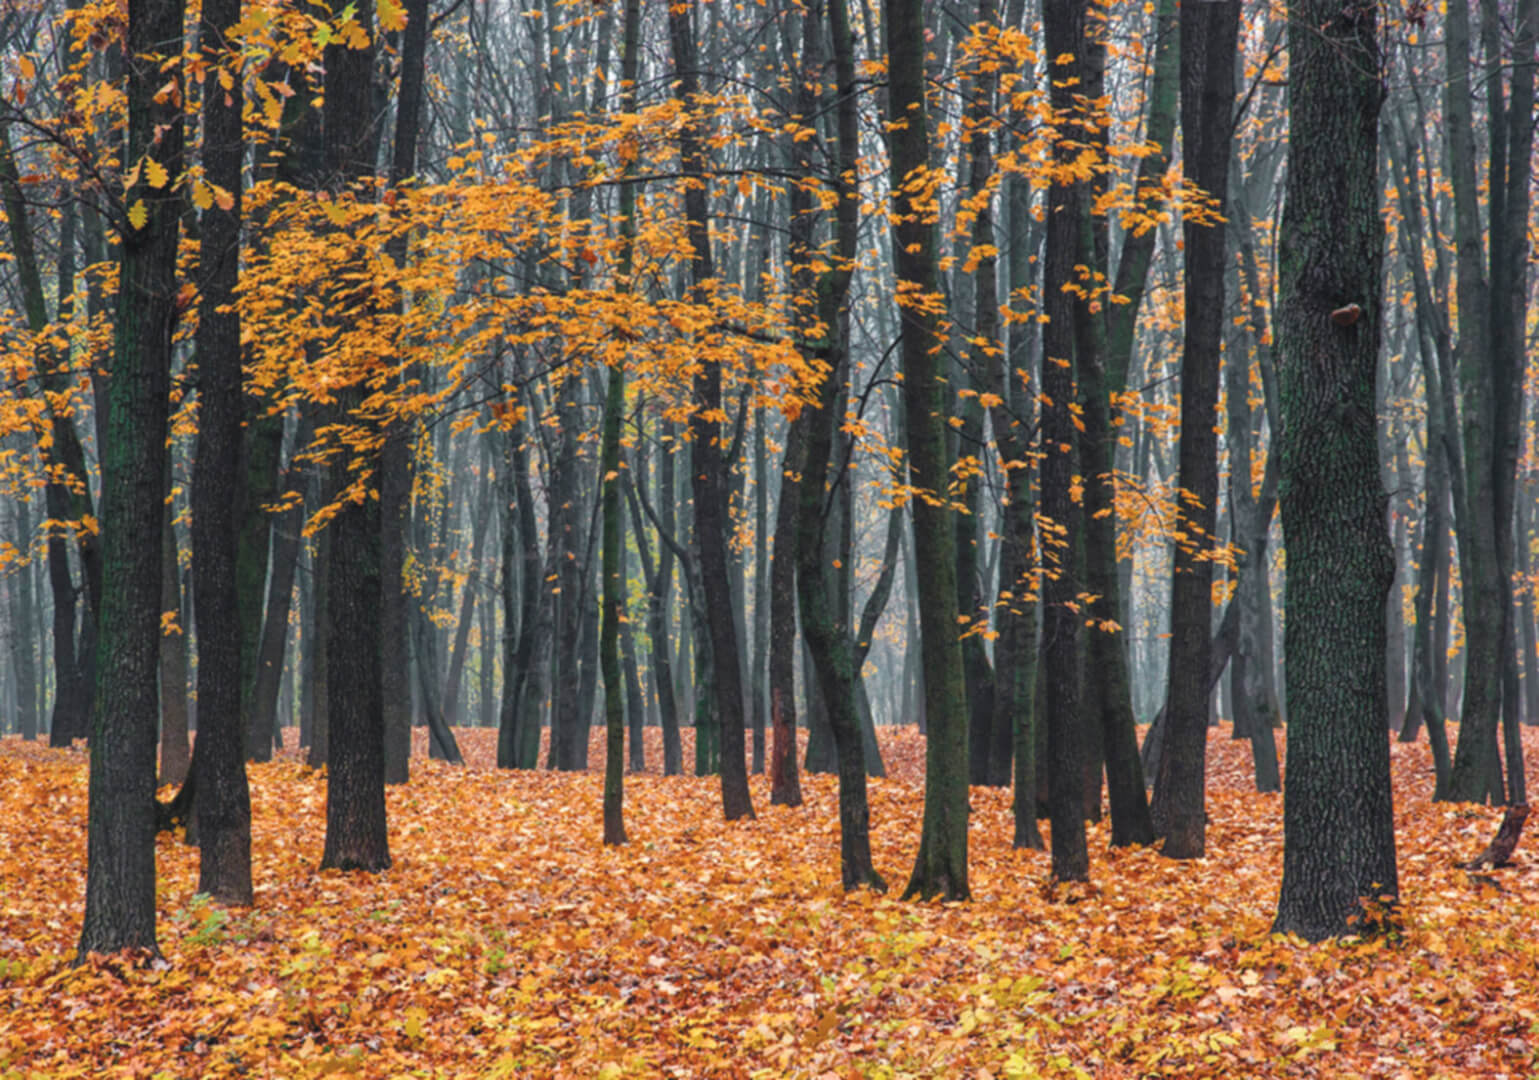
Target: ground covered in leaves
507, 942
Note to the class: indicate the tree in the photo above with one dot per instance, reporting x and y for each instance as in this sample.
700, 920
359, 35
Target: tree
1338, 809
613, 567
120, 871
708, 449
1209, 34
67, 490
356, 837
1064, 31
940, 869
223, 802
395, 455
1491, 360
828, 638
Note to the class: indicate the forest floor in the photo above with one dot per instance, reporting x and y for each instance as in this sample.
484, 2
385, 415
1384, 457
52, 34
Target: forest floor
507, 942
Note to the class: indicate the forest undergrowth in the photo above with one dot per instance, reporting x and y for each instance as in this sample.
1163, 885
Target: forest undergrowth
507, 942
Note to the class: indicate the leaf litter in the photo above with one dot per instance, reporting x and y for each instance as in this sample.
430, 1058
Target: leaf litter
506, 941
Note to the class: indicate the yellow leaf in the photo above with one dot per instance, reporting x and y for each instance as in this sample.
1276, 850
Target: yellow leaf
138, 214
202, 195
155, 173
392, 16
26, 67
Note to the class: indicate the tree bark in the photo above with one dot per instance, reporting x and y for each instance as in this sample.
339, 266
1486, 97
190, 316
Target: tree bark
1064, 29
1209, 34
223, 803
356, 836
120, 868
175, 750
940, 869
1476, 774
1338, 810
709, 473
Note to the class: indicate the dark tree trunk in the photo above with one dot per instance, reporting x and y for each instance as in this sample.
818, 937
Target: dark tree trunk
223, 803
709, 472
832, 650
287, 527
356, 837
468, 594
1064, 27
319, 633
785, 780
1111, 734
940, 869
442, 745
175, 750
612, 556
120, 869
526, 606
758, 680
565, 540
395, 602
67, 499
395, 455
1016, 649
1338, 812
660, 582
1476, 774
23, 603
1209, 35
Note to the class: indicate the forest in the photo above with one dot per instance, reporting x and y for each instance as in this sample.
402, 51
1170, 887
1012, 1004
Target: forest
794, 537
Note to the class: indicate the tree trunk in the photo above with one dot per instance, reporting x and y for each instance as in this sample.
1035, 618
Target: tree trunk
785, 781
175, 751
1338, 816
709, 472
1209, 34
613, 554
66, 500
120, 869
316, 653
23, 597
940, 869
286, 533
526, 607
829, 639
223, 802
1064, 29
356, 836
1476, 772
468, 594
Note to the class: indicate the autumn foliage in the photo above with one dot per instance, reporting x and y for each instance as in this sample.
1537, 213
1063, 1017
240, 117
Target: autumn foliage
506, 941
